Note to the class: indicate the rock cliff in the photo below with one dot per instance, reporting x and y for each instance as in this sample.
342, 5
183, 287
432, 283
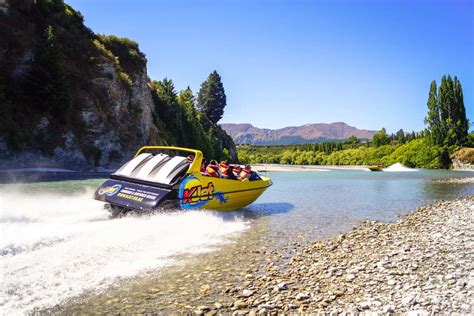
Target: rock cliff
105, 110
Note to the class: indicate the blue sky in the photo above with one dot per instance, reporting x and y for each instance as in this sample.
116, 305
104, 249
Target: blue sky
367, 63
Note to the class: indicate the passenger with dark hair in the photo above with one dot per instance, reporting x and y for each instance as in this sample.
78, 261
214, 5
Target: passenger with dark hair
230, 173
203, 165
245, 174
236, 171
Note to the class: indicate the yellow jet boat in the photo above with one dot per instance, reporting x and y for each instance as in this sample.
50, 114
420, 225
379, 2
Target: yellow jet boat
158, 177
375, 167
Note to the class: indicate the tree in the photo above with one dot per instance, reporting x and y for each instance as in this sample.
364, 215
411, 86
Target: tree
211, 98
48, 84
446, 118
380, 138
196, 137
400, 136
352, 141
461, 124
433, 118
169, 110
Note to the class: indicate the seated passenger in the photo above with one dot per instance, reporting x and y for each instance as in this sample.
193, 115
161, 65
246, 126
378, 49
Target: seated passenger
237, 171
245, 174
203, 165
213, 169
224, 168
231, 174
190, 158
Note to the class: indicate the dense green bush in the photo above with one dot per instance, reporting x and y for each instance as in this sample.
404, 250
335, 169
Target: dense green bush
417, 153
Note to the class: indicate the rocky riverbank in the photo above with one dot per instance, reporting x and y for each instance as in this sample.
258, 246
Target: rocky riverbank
455, 180
423, 262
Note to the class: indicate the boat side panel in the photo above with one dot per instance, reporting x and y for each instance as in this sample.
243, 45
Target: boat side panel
198, 191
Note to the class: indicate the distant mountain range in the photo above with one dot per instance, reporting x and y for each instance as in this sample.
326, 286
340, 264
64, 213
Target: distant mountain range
309, 133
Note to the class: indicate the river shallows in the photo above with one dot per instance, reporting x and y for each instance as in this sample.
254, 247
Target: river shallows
57, 242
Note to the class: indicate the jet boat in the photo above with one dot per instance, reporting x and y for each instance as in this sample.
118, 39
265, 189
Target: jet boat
375, 167
158, 177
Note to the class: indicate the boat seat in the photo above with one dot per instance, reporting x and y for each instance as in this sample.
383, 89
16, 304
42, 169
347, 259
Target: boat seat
150, 167
170, 170
127, 169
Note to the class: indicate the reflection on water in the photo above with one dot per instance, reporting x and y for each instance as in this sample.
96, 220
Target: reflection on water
298, 207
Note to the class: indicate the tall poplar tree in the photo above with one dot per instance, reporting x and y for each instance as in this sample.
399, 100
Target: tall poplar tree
461, 122
211, 98
446, 118
433, 119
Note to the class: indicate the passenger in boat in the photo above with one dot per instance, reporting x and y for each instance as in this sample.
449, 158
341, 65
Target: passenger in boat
231, 174
212, 169
190, 158
224, 169
236, 172
203, 165
246, 172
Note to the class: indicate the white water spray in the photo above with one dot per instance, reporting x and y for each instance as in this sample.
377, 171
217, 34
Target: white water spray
53, 247
398, 167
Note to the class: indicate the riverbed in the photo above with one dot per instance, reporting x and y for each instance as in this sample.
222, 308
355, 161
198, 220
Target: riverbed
60, 252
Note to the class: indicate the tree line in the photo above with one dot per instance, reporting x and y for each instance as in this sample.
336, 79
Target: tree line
446, 131
192, 120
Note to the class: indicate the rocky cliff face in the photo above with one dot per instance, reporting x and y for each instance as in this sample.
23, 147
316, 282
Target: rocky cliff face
463, 159
110, 111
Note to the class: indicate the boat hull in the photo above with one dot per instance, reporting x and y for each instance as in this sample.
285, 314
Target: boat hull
193, 192
170, 181
198, 191
375, 168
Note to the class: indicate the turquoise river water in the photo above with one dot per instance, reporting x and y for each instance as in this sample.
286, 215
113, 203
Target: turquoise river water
60, 250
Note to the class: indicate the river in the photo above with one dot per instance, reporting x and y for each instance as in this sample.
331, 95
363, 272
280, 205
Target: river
60, 251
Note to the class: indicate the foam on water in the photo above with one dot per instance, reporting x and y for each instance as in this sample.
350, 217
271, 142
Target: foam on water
398, 167
54, 247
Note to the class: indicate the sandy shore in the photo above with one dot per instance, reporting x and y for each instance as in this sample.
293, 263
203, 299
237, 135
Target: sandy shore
423, 263
303, 168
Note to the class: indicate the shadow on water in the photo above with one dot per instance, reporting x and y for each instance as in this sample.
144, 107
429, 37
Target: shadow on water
256, 211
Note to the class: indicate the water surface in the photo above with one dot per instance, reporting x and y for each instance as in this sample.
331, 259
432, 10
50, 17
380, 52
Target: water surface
58, 243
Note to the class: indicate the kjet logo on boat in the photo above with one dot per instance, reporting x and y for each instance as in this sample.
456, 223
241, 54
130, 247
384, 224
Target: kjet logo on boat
110, 190
194, 195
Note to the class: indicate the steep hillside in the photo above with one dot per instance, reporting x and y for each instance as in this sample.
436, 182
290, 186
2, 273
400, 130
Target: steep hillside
309, 133
72, 98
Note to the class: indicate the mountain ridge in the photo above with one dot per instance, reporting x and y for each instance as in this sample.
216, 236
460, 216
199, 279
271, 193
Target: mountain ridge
246, 133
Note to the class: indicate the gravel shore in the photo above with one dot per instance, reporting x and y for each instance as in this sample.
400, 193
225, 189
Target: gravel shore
423, 263
455, 180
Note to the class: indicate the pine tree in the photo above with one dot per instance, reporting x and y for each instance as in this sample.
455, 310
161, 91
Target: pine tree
48, 84
196, 138
211, 98
169, 110
400, 136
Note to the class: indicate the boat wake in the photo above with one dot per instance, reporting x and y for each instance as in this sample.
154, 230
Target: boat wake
398, 167
54, 247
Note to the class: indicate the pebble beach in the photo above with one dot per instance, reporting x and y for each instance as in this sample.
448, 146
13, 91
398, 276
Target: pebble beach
423, 263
